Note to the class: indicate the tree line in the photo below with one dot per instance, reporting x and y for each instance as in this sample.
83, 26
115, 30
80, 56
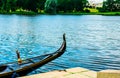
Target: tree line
13, 5
111, 5
50, 6
54, 6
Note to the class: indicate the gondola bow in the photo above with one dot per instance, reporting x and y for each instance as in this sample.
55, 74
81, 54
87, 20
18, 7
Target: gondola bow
14, 69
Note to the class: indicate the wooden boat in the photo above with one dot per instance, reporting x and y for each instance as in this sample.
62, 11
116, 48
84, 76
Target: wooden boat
12, 70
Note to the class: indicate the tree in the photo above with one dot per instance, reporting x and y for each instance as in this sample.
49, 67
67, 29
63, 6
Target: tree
31, 5
111, 5
50, 6
41, 4
71, 5
117, 5
11, 5
21, 3
3, 5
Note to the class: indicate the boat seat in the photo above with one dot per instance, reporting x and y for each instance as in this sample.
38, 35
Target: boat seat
3, 67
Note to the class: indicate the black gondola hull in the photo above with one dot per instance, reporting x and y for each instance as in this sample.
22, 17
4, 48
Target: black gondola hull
31, 64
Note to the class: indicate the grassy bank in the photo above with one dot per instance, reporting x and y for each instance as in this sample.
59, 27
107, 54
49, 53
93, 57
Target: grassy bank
63, 13
109, 13
20, 13
93, 13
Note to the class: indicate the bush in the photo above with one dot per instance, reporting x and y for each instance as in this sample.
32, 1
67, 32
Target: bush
87, 10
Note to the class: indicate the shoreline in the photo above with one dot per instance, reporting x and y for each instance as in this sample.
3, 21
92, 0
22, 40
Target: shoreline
71, 13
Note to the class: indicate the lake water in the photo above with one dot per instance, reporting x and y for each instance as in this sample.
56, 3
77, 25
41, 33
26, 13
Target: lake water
93, 41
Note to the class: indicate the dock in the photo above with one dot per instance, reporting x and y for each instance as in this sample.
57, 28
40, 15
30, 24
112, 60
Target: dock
77, 72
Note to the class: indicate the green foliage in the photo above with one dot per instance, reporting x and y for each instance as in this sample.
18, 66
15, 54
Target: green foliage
13, 5
87, 10
71, 5
111, 5
50, 6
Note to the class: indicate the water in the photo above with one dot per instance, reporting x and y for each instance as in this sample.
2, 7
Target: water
93, 41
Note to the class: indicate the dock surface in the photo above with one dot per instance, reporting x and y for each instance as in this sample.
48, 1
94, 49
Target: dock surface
77, 72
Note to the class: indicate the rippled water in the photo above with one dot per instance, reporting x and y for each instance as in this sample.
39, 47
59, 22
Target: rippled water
93, 41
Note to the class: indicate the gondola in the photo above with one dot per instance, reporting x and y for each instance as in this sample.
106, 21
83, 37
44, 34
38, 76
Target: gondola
14, 69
